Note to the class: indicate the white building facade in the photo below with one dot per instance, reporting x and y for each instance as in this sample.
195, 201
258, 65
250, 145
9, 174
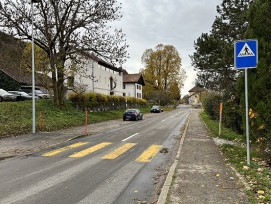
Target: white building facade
133, 85
98, 76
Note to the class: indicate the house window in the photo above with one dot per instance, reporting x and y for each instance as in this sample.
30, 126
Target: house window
124, 94
124, 87
138, 87
138, 95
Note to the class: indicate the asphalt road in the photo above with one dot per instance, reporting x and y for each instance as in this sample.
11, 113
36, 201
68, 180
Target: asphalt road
122, 166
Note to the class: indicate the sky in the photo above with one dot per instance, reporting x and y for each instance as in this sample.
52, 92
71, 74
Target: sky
148, 23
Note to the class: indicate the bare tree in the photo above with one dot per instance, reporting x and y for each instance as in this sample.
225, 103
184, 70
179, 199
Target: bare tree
64, 29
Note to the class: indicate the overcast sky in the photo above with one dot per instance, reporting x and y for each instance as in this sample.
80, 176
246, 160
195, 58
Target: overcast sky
147, 23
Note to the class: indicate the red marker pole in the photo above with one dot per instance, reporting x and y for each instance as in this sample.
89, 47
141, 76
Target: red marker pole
40, 121
220, 117
86, 126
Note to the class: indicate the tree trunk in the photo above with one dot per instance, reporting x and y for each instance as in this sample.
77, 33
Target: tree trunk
58, 83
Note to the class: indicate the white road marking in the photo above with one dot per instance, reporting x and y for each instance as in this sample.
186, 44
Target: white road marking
129, 137
163, 121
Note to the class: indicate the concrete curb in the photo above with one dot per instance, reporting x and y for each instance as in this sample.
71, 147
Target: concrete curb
165, 189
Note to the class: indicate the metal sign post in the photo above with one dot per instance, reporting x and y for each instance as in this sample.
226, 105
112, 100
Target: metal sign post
245, 57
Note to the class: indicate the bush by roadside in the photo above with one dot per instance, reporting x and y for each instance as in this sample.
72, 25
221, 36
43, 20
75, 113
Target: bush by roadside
97, 101
257, 175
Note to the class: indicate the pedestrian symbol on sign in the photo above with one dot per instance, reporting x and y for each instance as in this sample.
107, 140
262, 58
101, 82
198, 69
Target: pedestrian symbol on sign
246, 51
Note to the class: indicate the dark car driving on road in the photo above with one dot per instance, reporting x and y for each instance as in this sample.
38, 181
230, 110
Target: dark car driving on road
156, 109
132, 114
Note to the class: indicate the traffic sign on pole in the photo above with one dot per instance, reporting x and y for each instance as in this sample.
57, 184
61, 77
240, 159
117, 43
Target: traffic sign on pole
245, 54
245, 57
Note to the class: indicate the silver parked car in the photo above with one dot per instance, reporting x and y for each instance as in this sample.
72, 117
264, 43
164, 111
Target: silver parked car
6, 96
41, 95
22, 96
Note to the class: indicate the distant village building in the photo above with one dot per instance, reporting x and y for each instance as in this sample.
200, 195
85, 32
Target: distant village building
195, 95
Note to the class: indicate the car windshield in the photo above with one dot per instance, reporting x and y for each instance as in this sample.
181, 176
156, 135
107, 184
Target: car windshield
38, 92
155, 107
23, 93
130, 111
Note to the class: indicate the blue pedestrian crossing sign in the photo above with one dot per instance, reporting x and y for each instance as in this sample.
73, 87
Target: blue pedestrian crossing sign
245, 54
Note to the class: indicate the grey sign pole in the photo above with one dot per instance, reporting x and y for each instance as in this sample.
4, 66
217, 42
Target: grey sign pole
246, 57
247, 124
33, 74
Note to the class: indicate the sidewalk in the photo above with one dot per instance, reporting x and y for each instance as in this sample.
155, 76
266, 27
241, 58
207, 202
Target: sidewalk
201, 175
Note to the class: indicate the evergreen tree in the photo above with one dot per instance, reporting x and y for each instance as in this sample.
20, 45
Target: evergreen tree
259, 79
213, 57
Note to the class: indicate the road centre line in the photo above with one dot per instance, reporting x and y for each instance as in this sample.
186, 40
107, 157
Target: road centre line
129, 137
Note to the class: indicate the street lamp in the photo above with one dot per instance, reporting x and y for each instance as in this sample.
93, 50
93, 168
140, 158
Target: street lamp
33, 69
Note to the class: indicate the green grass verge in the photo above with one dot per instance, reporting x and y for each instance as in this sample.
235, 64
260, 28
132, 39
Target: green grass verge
226, 133
16, 117
257, 175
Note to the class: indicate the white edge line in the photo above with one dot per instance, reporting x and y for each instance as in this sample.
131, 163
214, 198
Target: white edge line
129, 137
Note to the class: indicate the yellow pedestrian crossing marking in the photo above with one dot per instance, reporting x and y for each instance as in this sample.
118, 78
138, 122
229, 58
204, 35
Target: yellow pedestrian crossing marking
90, 150
119, 151
57, 151
147, 155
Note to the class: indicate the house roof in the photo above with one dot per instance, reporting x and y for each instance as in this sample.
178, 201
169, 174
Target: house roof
197, 89
101, 61
24, 77
18, 75
133, 78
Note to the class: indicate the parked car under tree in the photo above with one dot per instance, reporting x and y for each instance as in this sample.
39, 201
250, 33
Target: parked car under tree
22, 96
6, 96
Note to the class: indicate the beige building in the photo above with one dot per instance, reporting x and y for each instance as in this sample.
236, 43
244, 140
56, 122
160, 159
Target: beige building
195, 95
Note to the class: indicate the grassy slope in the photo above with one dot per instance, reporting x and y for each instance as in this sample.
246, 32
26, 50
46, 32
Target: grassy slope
257, 175
16, 117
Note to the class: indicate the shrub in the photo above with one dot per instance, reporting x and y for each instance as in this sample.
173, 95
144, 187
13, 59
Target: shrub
96, 101
211, 105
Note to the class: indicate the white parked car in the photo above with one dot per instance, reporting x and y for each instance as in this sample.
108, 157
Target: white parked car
41, 95
6, 96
